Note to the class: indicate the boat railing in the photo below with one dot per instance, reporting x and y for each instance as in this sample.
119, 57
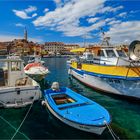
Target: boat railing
3, 103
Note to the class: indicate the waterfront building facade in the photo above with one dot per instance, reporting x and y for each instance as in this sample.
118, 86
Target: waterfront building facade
59, 47
54, 47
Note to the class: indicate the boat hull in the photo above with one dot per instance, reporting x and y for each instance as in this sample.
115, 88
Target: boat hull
15, 97
36, 77
125, 88
87, 128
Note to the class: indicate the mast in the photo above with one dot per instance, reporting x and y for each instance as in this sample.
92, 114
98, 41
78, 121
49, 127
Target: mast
106, 39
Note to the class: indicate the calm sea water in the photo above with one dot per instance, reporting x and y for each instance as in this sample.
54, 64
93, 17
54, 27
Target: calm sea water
40, 124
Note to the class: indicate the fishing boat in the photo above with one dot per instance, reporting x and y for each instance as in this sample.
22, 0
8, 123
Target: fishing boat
110, 70
76, 110
16, 88
36, 70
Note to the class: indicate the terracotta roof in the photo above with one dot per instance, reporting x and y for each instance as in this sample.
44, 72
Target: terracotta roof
54, 43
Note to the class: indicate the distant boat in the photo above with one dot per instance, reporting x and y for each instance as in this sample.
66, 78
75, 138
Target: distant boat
35, 58
76, 110
36, 70
16, 88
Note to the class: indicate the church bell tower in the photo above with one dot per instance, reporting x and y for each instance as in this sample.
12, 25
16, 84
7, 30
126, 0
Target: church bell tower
25, 34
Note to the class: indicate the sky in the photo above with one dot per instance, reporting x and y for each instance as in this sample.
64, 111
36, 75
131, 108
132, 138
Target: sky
70, 21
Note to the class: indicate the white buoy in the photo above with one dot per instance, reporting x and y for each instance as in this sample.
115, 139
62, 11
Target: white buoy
43, 103
55, 86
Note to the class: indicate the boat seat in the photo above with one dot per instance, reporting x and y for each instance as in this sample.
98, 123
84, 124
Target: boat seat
21, 82
63, 100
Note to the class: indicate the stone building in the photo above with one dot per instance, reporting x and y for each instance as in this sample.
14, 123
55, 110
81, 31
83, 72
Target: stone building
54, 47
59, 47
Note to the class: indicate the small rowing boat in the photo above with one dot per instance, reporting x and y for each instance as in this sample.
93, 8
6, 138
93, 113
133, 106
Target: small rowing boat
76, 110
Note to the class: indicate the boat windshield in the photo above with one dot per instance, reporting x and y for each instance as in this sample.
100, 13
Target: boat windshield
15, 66
60, 99
110, 53
121, 53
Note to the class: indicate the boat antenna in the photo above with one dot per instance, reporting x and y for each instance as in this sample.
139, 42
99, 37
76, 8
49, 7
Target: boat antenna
106, 39
84, 40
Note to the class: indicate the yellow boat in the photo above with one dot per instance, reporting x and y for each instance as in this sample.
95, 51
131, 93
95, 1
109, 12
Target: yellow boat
110, 70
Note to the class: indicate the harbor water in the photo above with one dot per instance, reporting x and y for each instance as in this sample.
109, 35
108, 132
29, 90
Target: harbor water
40, 124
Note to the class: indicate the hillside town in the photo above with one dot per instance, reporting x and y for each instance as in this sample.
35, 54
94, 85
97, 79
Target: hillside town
24, 47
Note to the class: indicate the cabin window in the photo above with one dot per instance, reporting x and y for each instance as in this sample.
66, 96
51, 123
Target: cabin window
121, 53
101, 53
60, 99
110, 53
15, 66
2, 80
3, 73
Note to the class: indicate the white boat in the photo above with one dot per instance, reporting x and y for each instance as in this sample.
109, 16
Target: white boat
110, 70
16, 88
36, 70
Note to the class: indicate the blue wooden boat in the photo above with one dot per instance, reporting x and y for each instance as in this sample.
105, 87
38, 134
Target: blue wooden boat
76, 110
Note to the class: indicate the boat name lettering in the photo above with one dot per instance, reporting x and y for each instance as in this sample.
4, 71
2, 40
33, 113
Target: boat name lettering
82, 126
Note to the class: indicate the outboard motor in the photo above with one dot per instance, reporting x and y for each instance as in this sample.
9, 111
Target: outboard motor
55, 86
134, 50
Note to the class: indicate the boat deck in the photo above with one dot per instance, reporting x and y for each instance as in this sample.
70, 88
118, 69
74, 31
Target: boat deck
78, 109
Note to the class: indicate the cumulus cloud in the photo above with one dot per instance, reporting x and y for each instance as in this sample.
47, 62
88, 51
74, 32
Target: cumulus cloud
80, 17
110, 9
67, 18
92, 20
109, 19
30, 9
124, 14
113, 22
125, 31
21, 14
46, 10
34, 15
57, 1
19, 25
24, 13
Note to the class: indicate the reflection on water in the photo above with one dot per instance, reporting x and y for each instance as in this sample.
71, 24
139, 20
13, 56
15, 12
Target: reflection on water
40, 124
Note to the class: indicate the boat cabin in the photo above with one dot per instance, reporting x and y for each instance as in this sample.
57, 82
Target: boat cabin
106, 56
12, 72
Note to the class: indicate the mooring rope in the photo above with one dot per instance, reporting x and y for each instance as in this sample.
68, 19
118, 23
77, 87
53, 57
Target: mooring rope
13, 127
115, 137
22, 121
